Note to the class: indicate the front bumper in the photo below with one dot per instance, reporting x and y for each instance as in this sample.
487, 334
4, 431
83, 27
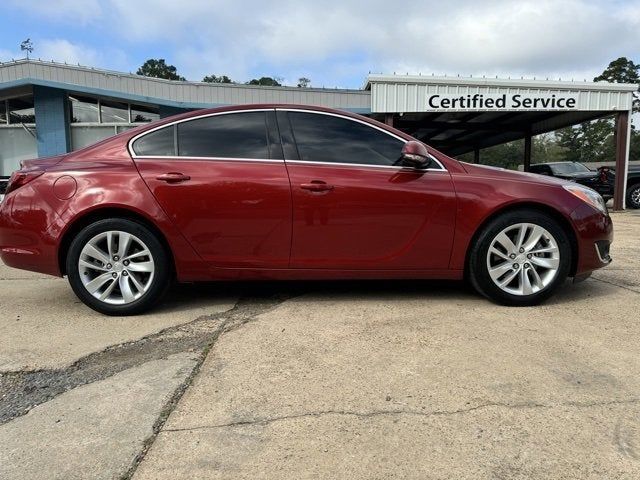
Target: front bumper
594, 232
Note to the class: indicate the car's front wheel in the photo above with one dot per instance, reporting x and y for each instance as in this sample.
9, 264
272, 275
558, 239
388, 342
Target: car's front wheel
520, 258
633, 196
118, 267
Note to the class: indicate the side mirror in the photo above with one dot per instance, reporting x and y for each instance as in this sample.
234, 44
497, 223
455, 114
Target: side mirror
415, 154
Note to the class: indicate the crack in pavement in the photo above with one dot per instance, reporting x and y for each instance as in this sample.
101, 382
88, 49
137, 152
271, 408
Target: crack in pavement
22, 390
418, 413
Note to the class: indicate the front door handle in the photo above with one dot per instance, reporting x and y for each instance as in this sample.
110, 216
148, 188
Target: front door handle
316, 186
173, 177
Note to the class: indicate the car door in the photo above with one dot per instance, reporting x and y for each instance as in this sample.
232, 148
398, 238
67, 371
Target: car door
222, 179
352, 208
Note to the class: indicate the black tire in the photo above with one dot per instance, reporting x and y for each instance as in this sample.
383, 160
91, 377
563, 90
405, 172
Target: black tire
162, 268
633, 196
478, 271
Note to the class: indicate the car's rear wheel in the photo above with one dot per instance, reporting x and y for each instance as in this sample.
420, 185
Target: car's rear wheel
520, 258
118, 267
633, 196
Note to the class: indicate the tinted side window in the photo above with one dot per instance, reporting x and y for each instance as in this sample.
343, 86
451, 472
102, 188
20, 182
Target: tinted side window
235, 135
158, 143
325, 138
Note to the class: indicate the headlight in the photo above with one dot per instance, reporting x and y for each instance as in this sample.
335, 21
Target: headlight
587, 195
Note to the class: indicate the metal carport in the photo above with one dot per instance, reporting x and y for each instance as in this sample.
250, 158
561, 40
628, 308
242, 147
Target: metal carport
460, 115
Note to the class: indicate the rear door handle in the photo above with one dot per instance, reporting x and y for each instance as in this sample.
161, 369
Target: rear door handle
316, 186
173, 177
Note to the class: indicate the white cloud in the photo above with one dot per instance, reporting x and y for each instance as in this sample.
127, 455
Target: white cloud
69, 11
61, 50
8, 55
332, 41
64, 51
520, 37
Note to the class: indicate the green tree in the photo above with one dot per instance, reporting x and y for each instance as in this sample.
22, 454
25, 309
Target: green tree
304, 82
158, 68
545, 148
216, 79
569, 140
265, 81
587, 142
593, 141
507, 155
622, 70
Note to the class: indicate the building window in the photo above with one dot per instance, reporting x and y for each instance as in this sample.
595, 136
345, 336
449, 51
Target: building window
3, 112
84, 109
21, 110
114, 112
96, 110
142, 114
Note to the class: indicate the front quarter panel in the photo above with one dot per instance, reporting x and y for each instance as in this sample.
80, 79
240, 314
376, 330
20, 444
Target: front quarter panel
480, 196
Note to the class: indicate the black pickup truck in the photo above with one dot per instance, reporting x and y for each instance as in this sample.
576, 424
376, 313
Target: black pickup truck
633, 186
601, 180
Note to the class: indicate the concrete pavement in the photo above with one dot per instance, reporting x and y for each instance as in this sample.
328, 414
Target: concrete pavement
94, 431
325, 380
44, 325
429, 383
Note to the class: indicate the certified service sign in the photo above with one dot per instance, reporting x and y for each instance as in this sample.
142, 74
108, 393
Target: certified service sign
515, 101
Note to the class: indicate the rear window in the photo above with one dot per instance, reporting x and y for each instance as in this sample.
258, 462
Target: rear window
237, 135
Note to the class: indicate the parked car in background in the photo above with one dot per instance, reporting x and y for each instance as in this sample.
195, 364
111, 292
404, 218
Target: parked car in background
291, 192
601, 180
633, 186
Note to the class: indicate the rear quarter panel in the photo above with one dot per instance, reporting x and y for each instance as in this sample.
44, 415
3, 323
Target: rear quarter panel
107, 178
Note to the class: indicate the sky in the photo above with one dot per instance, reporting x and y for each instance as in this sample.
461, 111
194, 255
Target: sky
333, 43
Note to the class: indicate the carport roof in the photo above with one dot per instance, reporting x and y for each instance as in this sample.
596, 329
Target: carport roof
459, 130
456, 133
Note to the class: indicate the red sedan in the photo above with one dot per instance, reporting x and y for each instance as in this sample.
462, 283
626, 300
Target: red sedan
291, 192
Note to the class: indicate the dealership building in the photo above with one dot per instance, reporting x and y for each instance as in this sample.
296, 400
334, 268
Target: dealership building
49, 108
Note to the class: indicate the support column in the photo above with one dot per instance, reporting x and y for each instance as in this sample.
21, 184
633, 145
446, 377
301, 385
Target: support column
527, 151
621, 138
388, 119
476, 155
52, 121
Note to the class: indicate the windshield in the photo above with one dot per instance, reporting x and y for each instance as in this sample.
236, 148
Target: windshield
569, 167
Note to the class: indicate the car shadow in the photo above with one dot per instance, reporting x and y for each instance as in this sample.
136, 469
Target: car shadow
343, 290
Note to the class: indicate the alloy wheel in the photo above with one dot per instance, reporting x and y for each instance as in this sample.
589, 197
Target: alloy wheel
523, 259
116, 267
635, 197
